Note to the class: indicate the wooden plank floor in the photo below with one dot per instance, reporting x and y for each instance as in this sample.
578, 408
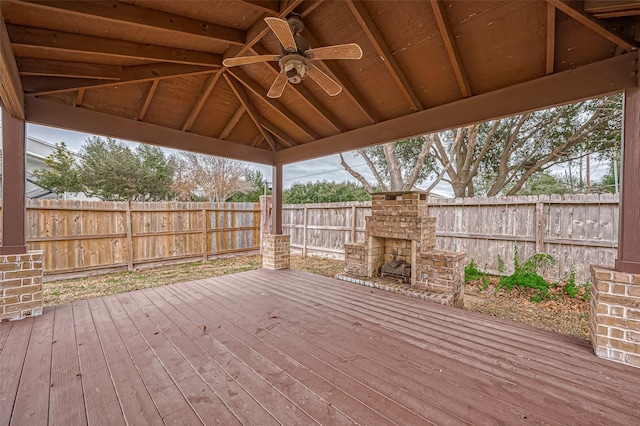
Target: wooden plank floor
286, 347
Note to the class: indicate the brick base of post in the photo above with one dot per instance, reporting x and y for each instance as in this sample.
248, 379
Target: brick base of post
276, 252
614, 328
21, 285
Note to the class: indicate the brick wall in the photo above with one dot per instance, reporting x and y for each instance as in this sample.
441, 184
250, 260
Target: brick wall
614, 327
355, 259
442, 270
276, 252
20, 285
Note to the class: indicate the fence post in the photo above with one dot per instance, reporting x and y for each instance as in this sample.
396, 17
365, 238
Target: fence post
539, 228
129, 224
304, 231
354, 223
205, 232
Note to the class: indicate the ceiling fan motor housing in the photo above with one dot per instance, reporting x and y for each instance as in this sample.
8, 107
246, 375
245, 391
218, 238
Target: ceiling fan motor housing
295, 66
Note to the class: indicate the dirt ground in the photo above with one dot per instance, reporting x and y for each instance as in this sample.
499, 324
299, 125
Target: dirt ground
564, 315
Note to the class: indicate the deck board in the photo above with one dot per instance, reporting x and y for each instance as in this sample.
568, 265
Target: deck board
287, 347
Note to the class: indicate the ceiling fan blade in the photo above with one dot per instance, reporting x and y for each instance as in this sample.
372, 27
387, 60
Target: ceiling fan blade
324, 81
281, 29
339, 51
245, 60
278, 86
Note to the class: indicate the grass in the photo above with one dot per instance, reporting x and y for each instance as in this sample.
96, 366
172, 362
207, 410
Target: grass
65, 291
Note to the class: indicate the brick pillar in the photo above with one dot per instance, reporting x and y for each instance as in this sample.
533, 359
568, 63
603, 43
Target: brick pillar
614, 327
20, 285
276, 252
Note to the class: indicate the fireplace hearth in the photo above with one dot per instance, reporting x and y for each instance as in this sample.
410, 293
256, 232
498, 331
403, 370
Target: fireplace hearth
400, 240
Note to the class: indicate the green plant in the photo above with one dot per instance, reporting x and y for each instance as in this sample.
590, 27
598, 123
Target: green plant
525, 275
570, 288
471, 272
485, 282
587, 291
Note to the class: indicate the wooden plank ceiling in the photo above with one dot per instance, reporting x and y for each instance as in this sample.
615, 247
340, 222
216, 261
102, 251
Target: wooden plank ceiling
152, 70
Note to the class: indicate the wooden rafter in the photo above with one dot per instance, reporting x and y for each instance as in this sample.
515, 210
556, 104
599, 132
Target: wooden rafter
151, 90
79, 98
54, 68
311, 8
231, 124
452, 47
274, 104
37, 39
11, 92
207, 88
588, 81
54, 114
142, 17
284, 138
267, 7
130, 75
310, 100
251, 111
376, 39
551, 39
348, 89
593, 24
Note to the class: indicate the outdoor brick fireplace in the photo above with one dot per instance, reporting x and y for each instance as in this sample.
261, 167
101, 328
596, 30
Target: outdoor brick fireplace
400, 229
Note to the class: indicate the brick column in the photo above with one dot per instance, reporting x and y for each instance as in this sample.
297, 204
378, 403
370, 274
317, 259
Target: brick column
20, 285
614, 327
276, 252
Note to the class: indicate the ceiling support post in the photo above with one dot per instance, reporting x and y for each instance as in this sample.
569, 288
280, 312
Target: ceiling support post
13, 184
629, 238
276, 200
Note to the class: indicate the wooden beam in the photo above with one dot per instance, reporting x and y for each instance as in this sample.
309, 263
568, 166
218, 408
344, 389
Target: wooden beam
310, 100
374, 36
147, 99
600, 6
311, 8
48, 40
130, 75
348, 89
551, 39
53, 114
207, 88
269, 8
597, 79
231, 124
452, 47
274, 104
628, 236
285, 139
79, 98
13, 184
11, 92
573, 10
249, 108
276, 200
54, 68
141, 18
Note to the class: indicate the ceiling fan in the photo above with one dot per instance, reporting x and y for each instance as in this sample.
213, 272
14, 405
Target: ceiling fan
296, 61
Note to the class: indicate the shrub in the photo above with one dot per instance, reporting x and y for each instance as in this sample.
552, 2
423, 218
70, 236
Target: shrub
525, 275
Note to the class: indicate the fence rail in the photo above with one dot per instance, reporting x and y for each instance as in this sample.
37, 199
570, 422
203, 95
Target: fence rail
577, 230
83, 236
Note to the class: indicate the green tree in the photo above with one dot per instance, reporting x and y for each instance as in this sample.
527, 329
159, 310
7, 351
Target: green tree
608, 182
111, 170
324, 192
543, 183
61, 172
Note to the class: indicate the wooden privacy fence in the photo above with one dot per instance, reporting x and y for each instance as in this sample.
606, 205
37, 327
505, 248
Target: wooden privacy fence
84, 236
577, 230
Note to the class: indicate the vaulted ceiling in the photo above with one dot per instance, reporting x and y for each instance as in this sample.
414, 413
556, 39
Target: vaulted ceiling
152, 70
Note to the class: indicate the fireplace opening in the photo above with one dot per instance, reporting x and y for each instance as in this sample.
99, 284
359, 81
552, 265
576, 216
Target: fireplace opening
397, 269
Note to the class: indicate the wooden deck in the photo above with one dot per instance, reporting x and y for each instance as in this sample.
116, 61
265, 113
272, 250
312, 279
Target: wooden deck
287, 347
